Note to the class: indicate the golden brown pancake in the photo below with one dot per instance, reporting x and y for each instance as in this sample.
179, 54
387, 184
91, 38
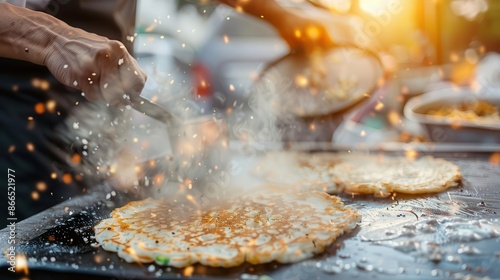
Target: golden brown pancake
358, 174
257, 228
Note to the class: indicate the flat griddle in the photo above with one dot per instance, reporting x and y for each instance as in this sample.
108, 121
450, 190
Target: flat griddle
58, 241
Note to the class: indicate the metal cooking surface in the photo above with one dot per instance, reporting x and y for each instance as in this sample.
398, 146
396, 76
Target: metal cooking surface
446, 235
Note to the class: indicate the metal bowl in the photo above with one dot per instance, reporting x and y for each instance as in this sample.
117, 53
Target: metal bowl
443, 129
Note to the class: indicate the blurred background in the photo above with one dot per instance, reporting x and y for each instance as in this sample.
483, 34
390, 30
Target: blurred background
210, 57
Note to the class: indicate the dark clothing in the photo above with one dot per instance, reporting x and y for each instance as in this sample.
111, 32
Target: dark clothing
37, 143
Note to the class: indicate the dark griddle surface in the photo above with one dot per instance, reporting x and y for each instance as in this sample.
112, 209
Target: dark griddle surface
64, 233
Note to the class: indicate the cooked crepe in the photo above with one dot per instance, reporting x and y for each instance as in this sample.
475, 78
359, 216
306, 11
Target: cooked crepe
383, 175
256, 228
358, 174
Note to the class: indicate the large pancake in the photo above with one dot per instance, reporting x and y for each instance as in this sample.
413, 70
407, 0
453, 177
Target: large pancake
257, 228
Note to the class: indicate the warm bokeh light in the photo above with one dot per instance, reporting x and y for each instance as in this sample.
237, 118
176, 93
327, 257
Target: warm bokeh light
411, 154
51, 106
76, 158
41, 186
394, 118
301, 81
158, 179
22, 263
30, 147
374, 7
39, 108
67, 178
188, 271
35, 195
462, 73
313, 32
495, 158
469, 9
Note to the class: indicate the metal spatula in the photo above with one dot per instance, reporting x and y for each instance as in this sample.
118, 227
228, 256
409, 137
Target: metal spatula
154, 111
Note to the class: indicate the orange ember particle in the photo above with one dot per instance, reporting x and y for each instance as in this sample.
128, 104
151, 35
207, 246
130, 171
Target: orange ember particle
379, 106
39, 108
301, 81
137, 169
53, 175
76, 158
12, 148
158, 179
98, 258
44, 85
394, 118
35, 195
35, 83
495, 158
51, 106
30, 147
41, 186
66, 178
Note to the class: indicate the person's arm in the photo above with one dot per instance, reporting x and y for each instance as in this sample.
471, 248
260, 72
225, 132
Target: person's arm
101, 68
300, 32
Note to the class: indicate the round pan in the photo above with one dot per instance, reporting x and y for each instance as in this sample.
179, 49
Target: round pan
349, 76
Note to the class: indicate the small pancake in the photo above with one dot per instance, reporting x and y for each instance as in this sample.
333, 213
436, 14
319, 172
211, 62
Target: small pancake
383, 175
257, 228
358, 174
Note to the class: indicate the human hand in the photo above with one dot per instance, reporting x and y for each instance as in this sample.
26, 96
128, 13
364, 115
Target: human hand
304, 33
316, 30
101, 68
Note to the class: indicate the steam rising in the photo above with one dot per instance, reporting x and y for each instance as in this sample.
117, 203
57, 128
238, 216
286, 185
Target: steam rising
186, 164
265, 120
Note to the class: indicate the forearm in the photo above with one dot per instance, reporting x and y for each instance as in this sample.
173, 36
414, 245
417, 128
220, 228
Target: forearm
25, 34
